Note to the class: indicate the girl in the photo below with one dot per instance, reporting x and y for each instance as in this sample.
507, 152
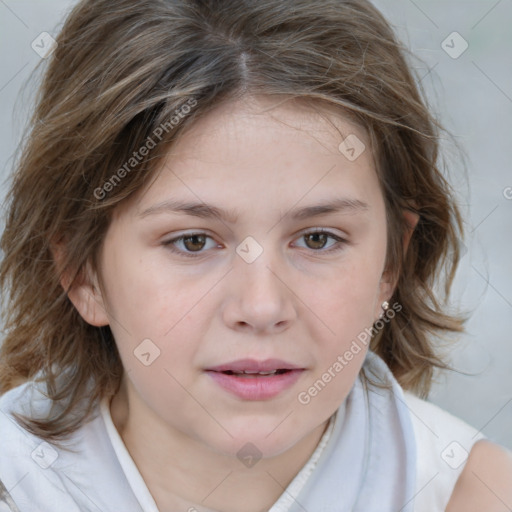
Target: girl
222, 244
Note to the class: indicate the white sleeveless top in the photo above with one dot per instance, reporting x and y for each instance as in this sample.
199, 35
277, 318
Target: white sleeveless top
443, 443
378, 454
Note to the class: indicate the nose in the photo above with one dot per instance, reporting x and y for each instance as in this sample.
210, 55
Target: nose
260, 299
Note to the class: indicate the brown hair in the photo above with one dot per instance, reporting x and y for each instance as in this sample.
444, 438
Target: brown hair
124, 68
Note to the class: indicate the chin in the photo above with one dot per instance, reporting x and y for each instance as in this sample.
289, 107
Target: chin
249, 444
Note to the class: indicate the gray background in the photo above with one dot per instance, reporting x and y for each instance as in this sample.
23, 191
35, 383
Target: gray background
472, 95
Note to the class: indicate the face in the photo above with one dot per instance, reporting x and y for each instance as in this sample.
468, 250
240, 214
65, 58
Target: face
259, 276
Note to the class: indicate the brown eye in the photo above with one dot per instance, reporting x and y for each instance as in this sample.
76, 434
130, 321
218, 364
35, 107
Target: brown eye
322, 241
194, 243
191, 245
316, 240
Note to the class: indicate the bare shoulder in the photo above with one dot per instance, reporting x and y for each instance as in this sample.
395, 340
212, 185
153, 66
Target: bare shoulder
486, 481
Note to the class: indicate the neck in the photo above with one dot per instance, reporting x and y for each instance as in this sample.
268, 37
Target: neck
184, 474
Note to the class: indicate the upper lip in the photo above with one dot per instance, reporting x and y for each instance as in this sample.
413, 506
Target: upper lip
252, 365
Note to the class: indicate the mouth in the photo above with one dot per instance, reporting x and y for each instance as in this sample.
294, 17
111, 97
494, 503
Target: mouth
253, 374
256, 380
253, 367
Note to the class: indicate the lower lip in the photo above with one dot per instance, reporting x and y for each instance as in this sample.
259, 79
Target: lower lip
256, 388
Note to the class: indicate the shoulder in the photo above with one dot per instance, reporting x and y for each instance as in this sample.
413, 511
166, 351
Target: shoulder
27, 399
443, 445
64, 476
13, 401
18, 448
486, 481
435, 419
441, 434
16, 443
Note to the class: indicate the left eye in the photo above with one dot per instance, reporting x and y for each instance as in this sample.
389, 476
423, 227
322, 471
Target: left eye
317, 240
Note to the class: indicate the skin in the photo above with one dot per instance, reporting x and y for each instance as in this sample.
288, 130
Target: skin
486, 481
295, 301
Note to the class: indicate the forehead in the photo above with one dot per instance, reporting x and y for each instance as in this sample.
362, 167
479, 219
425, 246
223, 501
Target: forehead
256, 119
262, 151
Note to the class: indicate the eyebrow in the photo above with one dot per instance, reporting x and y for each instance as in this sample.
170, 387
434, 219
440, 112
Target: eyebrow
207, 211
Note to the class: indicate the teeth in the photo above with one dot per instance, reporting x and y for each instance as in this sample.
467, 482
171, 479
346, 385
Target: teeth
250, 372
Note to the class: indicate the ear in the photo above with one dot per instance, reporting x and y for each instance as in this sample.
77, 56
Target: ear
411, 219
386, 288
83, 290
388, 281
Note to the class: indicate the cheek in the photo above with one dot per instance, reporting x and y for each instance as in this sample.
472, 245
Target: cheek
341, 341
347, 300
148, 297
346, 306
151, 321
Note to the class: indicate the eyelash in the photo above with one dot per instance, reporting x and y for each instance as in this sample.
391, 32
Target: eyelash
341, 242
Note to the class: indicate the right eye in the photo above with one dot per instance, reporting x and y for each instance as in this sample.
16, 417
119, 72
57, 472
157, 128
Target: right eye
191, 244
